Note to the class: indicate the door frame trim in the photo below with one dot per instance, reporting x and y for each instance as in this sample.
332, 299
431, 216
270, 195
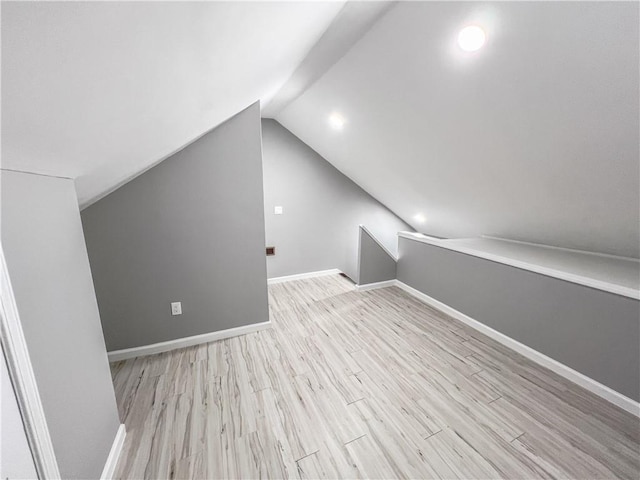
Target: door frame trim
15, 350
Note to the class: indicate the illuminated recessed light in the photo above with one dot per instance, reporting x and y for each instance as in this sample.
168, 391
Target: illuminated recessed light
471, 38
337, 121
420, 218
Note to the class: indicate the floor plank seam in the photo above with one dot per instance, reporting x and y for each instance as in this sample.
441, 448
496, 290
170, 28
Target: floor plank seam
307, 455
354, 439
433, 434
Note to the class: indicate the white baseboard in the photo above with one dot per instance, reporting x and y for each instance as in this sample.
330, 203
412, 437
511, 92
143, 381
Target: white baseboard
301, 276
117, 355
374, 286
116, 449
590, 384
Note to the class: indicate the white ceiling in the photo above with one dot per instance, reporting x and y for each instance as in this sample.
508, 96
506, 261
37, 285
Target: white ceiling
533, 137
349, 25
102, 91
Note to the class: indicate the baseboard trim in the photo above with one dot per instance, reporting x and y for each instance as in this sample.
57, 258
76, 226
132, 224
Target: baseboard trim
561, 369
302, 276
375, 286
126, 353
116, 449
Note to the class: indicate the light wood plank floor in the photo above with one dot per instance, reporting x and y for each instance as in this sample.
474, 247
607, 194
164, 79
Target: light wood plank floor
353, 384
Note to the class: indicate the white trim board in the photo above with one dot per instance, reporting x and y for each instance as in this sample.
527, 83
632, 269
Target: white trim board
117, 355
574, 376
114, 454
566, 275
14, 347
302, 276
375, 286
564, 249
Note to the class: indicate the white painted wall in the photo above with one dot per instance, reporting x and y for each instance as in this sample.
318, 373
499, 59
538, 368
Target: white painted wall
15, 455
534, 137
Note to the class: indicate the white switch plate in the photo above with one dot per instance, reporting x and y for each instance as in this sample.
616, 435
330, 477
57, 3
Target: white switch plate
176, 308
277, 210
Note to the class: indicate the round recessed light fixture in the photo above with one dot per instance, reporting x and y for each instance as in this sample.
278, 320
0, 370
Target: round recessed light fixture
337, 121
471, 38
420, 218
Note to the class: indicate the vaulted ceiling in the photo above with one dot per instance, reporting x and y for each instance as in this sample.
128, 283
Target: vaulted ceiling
535, 136
98, 91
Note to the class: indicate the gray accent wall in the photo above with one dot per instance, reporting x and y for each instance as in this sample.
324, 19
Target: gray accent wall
375, 264
190, 230
594, 332
322, 209
49, 270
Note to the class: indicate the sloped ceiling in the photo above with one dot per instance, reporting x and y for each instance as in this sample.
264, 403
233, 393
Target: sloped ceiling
533, 137
99, 91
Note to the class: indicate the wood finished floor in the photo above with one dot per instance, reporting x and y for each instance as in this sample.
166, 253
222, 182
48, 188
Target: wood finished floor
353, 384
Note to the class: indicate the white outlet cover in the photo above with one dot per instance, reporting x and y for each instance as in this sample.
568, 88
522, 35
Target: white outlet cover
277, 210
176, 308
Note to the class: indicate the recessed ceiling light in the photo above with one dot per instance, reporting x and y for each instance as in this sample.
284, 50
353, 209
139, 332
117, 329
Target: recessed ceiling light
471, 38
420, 218
337, 121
